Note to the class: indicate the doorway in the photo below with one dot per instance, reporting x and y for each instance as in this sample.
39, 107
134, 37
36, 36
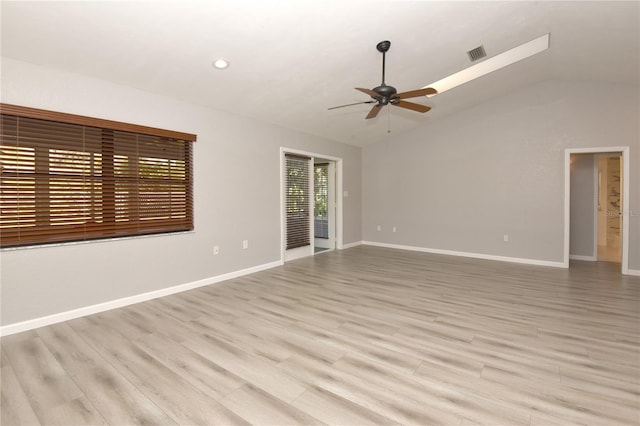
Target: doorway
311, 210
594, 205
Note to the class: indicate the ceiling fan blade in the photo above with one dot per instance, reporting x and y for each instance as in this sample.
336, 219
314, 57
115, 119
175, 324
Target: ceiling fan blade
371, 93
374, 111
412, 106
356, 103
415, 93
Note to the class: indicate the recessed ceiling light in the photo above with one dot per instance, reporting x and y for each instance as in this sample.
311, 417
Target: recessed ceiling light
492, 64
220, 64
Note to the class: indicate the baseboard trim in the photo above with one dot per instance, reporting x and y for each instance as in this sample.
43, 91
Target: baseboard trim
125, 301
525, 261
635, 272
350, 245
585, 258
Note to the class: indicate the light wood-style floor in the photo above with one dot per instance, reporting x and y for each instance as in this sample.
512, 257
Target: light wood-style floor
362, 336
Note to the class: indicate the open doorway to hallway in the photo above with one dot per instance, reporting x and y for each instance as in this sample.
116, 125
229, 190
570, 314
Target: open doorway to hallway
596, 190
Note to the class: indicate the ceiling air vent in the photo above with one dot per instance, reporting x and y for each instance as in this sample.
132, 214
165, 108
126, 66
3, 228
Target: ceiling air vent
477, 53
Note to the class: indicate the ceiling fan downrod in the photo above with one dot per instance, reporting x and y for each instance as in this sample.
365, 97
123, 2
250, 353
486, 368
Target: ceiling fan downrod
383, 47
385, 92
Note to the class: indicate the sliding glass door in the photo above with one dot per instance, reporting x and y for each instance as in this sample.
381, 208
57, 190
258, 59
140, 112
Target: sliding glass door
311, 211
298, 206
324, 205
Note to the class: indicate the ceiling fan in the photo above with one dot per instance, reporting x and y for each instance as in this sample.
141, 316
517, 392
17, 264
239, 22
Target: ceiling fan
385, 95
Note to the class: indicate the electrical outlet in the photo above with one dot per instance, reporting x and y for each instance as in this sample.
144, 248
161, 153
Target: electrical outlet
216, 250
245, 244
394, 229
505, 238
379, 228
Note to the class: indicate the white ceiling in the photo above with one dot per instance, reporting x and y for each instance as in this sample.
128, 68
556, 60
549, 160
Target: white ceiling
291, 60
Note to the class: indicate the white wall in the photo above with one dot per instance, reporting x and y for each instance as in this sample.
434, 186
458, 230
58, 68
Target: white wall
462, 182
236, 166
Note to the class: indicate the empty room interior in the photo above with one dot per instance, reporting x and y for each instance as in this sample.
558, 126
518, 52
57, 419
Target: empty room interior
320, 212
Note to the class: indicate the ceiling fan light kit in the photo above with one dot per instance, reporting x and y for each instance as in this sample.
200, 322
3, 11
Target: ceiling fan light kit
388, 95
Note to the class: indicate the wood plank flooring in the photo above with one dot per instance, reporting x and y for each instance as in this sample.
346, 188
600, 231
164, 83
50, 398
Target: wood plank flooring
362, 336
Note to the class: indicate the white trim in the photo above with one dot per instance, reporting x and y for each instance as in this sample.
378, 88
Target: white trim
596, 203
468, 254
626, 183
585, 258
126, 301
635, 272
350, 245
567, 208
283, 236
96, 241
339, 204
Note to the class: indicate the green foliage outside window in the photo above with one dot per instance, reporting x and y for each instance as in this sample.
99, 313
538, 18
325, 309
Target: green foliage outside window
321, 185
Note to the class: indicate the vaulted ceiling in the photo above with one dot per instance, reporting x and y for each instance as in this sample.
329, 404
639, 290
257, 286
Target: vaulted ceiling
292, 60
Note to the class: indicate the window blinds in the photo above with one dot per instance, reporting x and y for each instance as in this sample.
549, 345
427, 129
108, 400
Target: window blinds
298, 201
65, 181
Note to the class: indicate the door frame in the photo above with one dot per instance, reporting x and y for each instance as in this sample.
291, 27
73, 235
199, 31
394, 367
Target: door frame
338, 199
624, 153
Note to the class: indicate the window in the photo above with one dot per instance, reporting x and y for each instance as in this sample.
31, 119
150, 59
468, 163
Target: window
71, 178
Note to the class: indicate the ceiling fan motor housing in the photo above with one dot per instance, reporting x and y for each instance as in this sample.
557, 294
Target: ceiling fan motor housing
385, 92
